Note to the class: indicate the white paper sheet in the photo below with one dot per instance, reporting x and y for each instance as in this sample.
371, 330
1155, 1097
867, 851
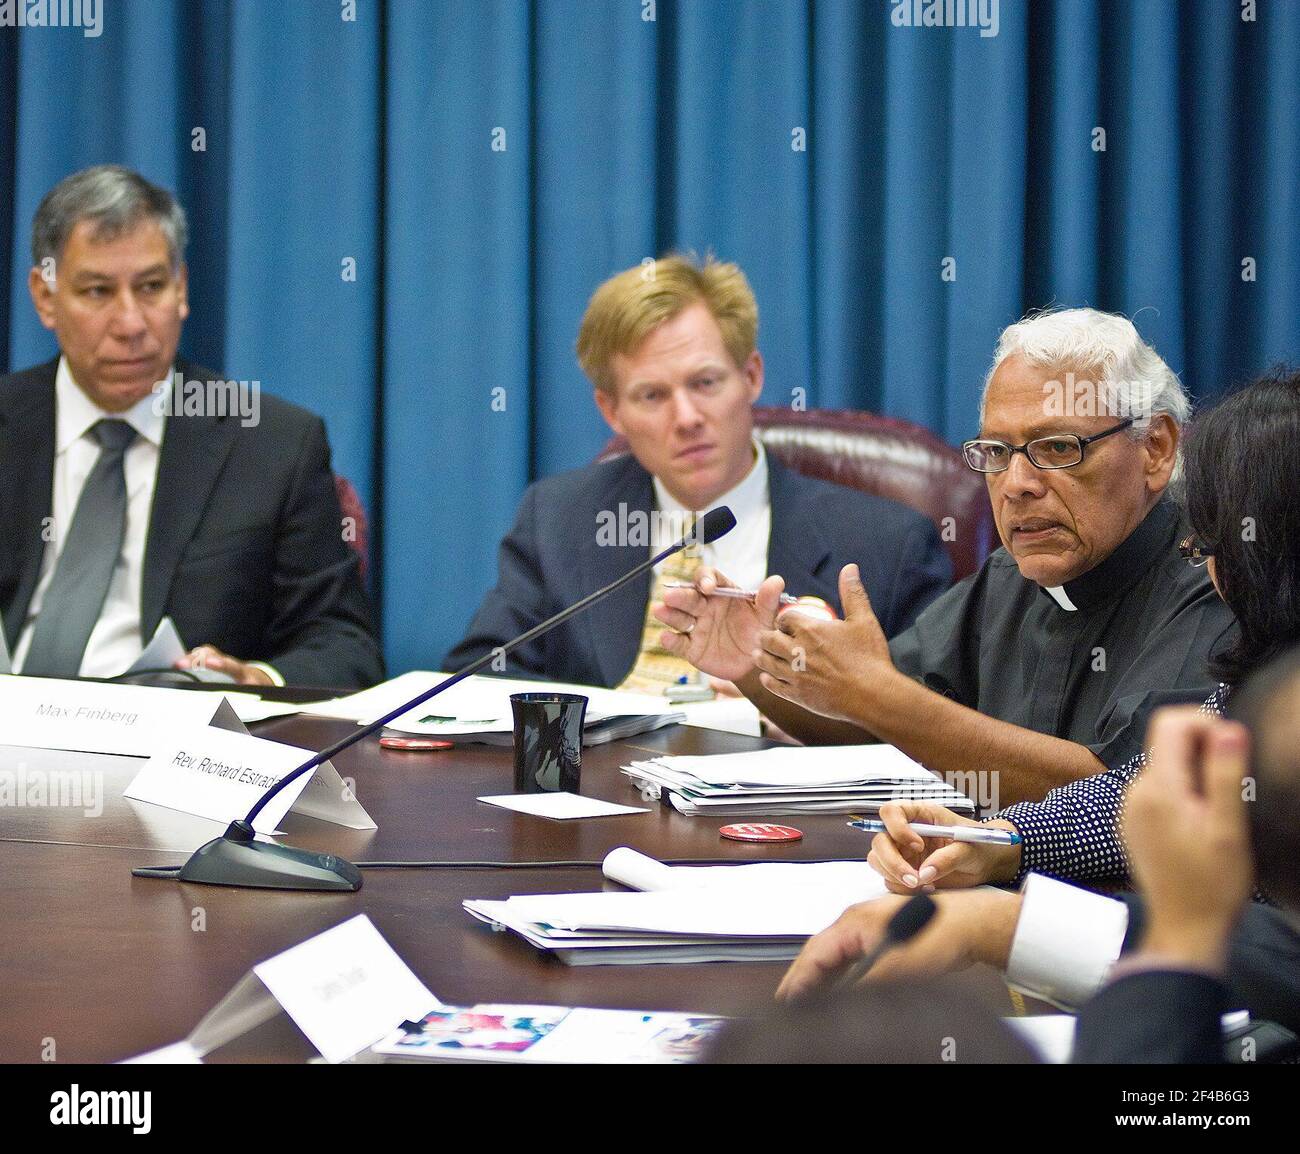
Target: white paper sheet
801, 765
729, 912
727, 714
165, 648
561, 806
477, 704
637, 871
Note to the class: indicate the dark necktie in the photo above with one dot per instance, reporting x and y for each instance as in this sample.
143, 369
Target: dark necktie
75, 595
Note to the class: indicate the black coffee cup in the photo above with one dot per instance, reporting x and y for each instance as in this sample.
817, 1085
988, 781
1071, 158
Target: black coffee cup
548, 741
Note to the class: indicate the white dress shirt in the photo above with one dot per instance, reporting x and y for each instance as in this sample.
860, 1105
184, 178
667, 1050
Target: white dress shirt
115, 641
1066, 941
742, 554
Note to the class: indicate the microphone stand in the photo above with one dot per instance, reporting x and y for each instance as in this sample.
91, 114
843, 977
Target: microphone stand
237, 859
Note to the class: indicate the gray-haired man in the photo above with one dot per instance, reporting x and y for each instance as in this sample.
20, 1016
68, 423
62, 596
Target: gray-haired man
122, 507
1044, 666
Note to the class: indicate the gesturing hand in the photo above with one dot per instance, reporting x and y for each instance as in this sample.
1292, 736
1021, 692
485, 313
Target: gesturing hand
717, 635
976, 926
824, 665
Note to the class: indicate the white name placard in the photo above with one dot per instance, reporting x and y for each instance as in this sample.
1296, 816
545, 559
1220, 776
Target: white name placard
90, 717
345, 988
219, 774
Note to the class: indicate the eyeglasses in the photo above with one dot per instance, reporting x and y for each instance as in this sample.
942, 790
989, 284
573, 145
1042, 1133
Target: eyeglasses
1058, 452
1191, 550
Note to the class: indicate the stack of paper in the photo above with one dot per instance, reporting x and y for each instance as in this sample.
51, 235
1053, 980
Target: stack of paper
793, 780
478, 708
761, 912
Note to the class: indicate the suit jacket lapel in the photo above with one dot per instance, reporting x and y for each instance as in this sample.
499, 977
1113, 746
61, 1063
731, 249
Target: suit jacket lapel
796, 548
194, 450
615, 624
27, 434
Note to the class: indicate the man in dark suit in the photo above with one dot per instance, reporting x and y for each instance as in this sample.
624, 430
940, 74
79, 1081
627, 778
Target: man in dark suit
671, 350
138, 486
1217, 796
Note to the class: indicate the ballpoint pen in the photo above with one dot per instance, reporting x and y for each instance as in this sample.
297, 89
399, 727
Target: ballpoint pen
728, 591
973, 833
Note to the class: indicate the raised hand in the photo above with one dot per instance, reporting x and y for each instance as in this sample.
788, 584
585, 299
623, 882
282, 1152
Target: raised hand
717, 635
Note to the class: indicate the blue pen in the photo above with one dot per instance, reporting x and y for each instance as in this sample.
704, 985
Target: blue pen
971, 833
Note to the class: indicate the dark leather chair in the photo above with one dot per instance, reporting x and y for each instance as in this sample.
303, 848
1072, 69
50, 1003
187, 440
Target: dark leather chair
355, 513
888, 457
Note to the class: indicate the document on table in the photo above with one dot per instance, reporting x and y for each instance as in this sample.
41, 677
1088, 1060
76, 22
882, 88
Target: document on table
560, 806
482, 705
249, 707
367, 704
498, 1033
804, 767
726, 714
792, 780
754, 912
478, 708
640, 872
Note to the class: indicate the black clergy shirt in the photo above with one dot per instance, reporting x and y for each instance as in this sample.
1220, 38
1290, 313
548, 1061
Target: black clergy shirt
1140, 635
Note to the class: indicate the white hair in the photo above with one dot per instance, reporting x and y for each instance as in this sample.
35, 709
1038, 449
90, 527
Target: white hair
1126, 376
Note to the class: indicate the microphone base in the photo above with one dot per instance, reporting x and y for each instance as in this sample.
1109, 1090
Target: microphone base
235, 859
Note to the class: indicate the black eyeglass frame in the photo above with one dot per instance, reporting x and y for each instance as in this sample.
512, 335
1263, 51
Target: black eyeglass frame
1084, 442
1193, 551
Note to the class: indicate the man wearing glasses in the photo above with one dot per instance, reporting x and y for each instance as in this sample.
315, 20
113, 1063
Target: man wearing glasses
1044, 666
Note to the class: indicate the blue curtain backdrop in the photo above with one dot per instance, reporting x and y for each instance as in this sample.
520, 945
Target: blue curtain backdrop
485, 163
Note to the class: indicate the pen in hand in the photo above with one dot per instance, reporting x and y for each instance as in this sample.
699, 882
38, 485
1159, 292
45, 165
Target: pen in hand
973, 833
727, 591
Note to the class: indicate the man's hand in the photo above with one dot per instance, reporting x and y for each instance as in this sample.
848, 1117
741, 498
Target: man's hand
909, 862
210, 657
967, 928
717, 635
825, 666
1188, 837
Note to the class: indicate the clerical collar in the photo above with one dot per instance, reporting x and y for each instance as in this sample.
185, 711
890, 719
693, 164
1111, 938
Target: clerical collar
1059, 595
1145, 546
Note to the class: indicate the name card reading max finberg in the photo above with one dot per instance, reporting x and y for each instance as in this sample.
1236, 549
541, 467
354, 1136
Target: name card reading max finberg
91, 717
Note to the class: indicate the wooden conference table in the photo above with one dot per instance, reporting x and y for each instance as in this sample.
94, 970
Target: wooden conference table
109, 966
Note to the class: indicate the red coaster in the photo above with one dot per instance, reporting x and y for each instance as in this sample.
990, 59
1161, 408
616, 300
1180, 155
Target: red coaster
760, 831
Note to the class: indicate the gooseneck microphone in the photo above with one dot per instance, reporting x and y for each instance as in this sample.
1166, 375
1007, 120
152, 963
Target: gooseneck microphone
236, 859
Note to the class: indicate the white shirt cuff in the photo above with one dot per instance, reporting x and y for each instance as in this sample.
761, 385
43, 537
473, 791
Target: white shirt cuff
270, 671
1066, 941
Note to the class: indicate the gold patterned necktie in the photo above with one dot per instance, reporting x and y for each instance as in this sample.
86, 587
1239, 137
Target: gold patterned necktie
656, 670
